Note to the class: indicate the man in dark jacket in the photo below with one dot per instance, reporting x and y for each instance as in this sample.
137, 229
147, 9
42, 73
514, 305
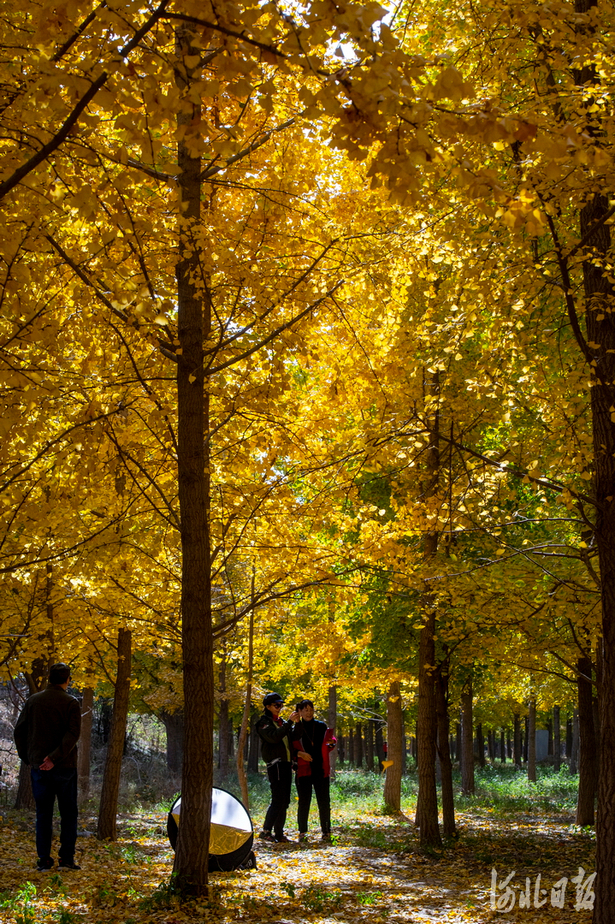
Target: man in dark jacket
312, 742
46, 736
275, 735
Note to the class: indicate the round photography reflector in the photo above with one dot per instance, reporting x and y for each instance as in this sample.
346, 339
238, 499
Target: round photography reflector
232, 835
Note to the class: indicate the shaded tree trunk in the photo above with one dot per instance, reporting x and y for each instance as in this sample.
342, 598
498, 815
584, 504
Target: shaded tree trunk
358, 749
588, 764
224, 724
395, 730
254, 749
379, 739
245, 719
174, 727
557, 742
574, 750
502, 746
193, 466
369, 744
85, 743
115, 749
332, 723
446, 766
467, 740
531, 738
517, 740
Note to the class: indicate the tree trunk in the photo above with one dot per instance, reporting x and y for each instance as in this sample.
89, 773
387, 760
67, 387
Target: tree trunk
174, 727
427, 801
517, 740
245, 719
24, 798
358, 746
574, 750
531, 737
446, 766
332, 723
224, 724
115, 749
588, 764
379, 740
254, 746
194, 327
85, 743
467, 740
395, 730
480, 743
502, 746
557, 742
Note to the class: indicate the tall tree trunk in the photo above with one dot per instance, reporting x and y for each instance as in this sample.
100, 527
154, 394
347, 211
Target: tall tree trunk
379, 745
427, 801
194, 327
517, 740
395, 730
358, 748
467, 739
85, 743
574, 750
115, 748
254, 746
531, 749
174, 727
480, 744
369, 744
557, 741
588, 765
332, 723
224, 725
446, 766
502, 746
245, 719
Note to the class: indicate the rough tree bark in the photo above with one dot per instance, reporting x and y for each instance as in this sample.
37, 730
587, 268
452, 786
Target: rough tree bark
245, 719
193, 460
332, 723
427, 801
174, 727
85, 743
107, 813
467, 739
395, 731
588, 763
446, 765
531, 749
517, 740
557, 741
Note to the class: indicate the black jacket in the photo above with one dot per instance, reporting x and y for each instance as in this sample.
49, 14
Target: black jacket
49, 726
275, 739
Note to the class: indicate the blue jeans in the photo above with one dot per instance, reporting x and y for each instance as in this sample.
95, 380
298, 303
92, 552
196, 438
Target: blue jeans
60, 782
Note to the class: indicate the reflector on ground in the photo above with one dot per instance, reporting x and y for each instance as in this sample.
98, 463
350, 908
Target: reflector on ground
231, 837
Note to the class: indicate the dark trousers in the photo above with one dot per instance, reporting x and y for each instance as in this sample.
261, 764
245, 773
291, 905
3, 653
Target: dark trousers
280, 779
47, 785
321, 790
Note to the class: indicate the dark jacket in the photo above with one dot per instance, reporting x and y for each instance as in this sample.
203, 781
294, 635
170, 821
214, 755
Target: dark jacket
316, 740
275, 738
49, 726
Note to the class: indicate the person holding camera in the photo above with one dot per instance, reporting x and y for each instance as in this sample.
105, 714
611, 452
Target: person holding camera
313, 742
275, 735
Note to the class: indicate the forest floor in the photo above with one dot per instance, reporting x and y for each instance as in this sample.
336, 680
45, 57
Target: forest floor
373, 870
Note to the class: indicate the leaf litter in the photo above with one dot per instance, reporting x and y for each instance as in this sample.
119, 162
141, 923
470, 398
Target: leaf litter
374, 871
